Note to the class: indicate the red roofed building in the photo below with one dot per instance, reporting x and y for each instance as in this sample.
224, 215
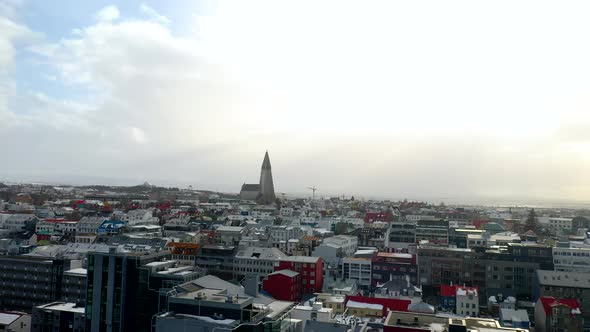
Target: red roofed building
311, 270
184, 251
283, 285
378, 216
388, 304
553, 315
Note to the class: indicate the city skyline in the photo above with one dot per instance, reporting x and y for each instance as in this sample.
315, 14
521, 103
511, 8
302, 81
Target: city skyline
456, 100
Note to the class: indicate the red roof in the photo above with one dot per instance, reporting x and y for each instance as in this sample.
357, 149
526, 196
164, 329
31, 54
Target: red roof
451, 291
391, 304
448, 291
550, 302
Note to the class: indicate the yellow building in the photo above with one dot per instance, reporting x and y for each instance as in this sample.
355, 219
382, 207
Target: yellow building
360, 309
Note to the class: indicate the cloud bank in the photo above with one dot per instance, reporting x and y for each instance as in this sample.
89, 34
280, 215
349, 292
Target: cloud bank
387, 100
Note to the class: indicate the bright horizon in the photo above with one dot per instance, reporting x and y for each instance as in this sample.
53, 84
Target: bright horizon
458, 99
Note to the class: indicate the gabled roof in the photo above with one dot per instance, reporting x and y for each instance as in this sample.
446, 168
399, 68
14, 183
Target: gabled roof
448, 291
549, 302
287, 273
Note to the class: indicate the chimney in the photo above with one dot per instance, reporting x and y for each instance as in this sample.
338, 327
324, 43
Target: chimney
251, 285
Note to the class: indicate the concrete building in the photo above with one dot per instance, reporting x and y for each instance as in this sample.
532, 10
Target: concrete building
571, 259
389, 266
16, 223
229, 235
560, 225
402, 234
15, 321
398, 321
123, 291
73, 289
556, 315
217, 260
27, 281
514, 318
284, 285
433, 231
311, 271
575, 285
444, 266
58, 316
467, 301
336, 247
359, 270
257, 261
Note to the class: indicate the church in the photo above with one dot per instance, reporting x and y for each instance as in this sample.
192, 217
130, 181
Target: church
264, 191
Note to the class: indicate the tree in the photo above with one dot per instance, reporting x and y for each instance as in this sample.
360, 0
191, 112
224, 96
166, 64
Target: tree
531, 221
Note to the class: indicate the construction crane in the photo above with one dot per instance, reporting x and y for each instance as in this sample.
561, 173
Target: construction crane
313, 190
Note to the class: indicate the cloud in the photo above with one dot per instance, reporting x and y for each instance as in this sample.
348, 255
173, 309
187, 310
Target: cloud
153, 15
107, 14
10, 34
397, 101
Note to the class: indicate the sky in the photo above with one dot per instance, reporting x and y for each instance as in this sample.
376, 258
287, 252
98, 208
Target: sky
418, 99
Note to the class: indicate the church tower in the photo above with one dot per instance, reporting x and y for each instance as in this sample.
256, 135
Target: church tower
267, 188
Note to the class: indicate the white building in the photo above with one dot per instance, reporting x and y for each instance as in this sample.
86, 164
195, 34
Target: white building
89, 225
334, 248
18, 222
358, 269
560, 224
347, 243
314, 312
229, 235
571, 259
467, 302
257, 261
140, 216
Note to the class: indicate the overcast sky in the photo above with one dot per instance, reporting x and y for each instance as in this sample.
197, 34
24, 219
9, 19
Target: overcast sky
398, 99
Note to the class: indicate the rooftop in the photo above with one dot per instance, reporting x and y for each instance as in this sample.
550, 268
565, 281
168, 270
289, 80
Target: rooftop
301, 259
78, 271
563, 279
62, 306
8, 318
287, 273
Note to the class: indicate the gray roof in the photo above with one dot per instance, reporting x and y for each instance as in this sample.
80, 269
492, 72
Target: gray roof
563, 279
421, 307
302, 259
261, 253
288, 273
514, 315
213, 282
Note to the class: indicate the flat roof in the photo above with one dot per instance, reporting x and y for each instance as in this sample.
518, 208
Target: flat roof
7, 319
79, 271
62, 306
301, 259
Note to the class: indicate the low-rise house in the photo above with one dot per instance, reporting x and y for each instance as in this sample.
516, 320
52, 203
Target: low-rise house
58, 316
284, 285
467, 301
514, 318
556, 315
15, 321
561, 285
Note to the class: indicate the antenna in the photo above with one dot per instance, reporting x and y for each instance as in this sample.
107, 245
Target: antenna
313, 190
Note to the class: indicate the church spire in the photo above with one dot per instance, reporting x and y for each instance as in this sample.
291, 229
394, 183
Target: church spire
266, 162
267, 189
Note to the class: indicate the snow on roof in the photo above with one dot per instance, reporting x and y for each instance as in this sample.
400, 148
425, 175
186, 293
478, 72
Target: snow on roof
7, 319
78, 271
360, 305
